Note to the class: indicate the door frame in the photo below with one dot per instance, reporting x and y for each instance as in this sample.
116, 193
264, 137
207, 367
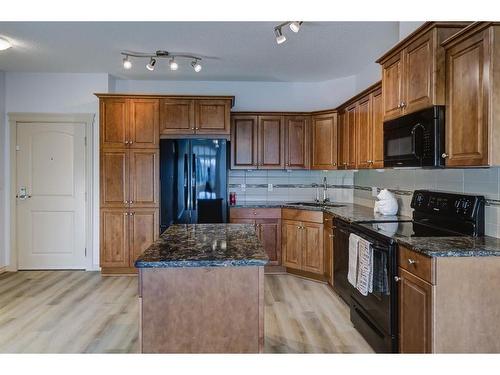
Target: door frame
87, 119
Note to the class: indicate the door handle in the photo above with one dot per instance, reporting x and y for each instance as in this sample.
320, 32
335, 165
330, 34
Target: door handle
23, 193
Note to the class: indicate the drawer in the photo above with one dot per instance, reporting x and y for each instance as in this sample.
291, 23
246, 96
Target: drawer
417, 264
328, 220
255, 213
302, 215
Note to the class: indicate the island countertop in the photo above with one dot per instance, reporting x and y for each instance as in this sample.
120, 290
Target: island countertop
205, 245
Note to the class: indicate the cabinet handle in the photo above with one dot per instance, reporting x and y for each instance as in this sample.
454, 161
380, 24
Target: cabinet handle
444, 155
131, 202
397, 278
411, 261
370, 161
331, 236
403, 104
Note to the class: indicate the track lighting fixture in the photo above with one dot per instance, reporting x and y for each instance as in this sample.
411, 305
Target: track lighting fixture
4, 44
173, 65
153, 57
196, 66
127, 64
278, 30
151, 65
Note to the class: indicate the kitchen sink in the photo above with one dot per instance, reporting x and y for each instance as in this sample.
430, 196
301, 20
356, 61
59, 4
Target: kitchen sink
318, 204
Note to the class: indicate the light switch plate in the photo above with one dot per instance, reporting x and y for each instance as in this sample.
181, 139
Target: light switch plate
374, 191
269, 187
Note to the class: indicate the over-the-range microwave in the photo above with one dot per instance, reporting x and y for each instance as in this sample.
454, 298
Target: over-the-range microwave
415, 140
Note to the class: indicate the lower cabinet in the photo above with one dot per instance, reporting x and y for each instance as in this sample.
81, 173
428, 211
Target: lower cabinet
303, 246
125, 234
328, 243
267, 222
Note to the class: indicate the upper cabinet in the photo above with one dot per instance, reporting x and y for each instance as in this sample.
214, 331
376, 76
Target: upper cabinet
324, 141
269, 141
185, 116
472, 100
413, 72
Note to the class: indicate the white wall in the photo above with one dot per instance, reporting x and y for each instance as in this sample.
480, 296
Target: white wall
55, 93
3, 180
255, 96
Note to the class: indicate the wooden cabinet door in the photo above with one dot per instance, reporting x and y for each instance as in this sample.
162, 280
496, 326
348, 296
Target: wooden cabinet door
328, 237
467, 101
269, 232
418, 80
114, 238
241, 221
292, 244
364, 142
392, 74
271, 138
114, 122
114, 178
350, 128
144, 123
212, 116
244, 142
297, 142
177, 116
343, 142
415, 314
144, 178
324, 141
377, 124
144, 230
312, 247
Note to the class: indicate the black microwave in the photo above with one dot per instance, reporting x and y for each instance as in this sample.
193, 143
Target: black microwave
415, 140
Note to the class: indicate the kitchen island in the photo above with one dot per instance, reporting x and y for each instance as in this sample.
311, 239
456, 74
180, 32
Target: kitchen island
201, 290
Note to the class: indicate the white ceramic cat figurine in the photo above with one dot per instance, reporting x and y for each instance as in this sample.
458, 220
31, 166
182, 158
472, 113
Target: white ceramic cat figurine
386, 203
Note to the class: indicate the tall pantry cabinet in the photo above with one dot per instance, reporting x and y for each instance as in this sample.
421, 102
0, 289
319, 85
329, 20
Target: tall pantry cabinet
129, 180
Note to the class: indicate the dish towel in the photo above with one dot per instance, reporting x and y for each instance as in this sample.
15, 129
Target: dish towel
352, 273
365, 267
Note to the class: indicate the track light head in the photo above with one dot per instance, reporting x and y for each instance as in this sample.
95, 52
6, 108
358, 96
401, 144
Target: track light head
295, 26
127, 64
280, 38
151, 65
173, 65
196, 66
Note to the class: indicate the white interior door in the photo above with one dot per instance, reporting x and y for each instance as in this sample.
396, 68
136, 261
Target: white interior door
50, 195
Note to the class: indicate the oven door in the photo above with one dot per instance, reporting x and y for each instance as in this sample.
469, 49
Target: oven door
415, 140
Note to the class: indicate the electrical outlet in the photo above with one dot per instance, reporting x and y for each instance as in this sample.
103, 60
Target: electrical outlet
374, 191
243, 187
269, 187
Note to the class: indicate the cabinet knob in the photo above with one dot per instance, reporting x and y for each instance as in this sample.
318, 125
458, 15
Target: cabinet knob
397, 278
130, 142
411, 261
331, 235
444, 155
370, 161
334, 164
126, 202
131, 202
126, 142
403, 104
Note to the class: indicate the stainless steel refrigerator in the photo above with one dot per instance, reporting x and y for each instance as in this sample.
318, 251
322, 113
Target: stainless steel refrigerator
193, 177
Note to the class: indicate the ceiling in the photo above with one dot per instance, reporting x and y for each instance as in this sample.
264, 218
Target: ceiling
231, 51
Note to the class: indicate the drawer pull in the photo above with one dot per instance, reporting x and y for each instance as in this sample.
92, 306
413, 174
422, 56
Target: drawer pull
411, 261
397, 278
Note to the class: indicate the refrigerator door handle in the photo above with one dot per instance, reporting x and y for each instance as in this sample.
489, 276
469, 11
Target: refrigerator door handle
193, 183
186, 183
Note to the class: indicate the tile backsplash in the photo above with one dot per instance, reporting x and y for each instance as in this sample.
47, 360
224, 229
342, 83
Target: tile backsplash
483, 181
293, 185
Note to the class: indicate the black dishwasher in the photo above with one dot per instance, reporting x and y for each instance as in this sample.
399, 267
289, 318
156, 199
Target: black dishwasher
341, 260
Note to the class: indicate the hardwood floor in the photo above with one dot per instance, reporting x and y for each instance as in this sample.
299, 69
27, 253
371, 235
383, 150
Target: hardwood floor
83, 312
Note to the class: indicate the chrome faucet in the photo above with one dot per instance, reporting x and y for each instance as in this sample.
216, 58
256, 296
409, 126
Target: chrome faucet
325, 191
317, 192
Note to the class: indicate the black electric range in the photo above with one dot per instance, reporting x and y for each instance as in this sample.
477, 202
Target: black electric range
435, 214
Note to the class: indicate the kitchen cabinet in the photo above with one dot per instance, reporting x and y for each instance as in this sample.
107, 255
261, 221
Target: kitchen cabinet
343, 141
144, 178
364, 133
114, 238
350, 129
267, 222
114, 177
144, 127
328, 242
144, 227
324, 141
377, 124
437, 317
185, 116
271, 138
297, 145
302, 241
269, 141
413, 72
113, 119
472, 79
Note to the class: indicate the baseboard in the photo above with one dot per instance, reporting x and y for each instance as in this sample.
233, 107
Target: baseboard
307, 275
271, 270
3, 269
118, 271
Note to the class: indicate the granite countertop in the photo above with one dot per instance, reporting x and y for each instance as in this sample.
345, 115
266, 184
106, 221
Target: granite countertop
205, 245
349, 212
452, 246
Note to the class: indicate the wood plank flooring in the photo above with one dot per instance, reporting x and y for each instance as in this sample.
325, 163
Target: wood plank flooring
83, 312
